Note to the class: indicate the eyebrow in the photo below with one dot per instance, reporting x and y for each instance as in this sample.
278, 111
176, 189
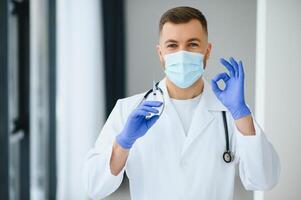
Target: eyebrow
190, 40
194, 39
170, 40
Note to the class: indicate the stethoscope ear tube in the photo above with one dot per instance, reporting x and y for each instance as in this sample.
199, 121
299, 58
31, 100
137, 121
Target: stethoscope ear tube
151, 90
227, 155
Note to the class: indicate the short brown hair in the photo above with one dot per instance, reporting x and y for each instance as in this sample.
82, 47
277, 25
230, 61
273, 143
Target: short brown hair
181, 15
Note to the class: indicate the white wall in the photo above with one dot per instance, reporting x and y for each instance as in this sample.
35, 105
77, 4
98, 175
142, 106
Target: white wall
80, 98
281, 82
39, 100
232, 30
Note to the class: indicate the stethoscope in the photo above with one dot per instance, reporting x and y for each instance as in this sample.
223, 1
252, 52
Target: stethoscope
155, 92
227, 155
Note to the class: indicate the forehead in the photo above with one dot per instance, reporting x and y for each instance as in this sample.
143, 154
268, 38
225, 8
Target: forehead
183, 31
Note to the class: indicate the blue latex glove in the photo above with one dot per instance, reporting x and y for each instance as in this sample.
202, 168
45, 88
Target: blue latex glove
232, 96
137, 124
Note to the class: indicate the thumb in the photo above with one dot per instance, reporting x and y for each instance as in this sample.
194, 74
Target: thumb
215, 88
222, 76
150, 122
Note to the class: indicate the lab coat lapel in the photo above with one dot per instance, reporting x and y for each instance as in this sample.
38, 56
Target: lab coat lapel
201, 119
203, 116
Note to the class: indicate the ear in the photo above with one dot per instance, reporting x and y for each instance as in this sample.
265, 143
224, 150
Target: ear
208, 51
159, 52
207, 54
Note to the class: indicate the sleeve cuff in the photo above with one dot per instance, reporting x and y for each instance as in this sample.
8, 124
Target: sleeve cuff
100, 181
249, 141
108, 154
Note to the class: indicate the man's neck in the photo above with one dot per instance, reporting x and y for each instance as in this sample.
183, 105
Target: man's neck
187, 93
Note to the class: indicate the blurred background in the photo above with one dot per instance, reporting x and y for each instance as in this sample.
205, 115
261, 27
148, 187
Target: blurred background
64, 63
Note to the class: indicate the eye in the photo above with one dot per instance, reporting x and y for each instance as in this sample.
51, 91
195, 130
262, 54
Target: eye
173, 45
193, 45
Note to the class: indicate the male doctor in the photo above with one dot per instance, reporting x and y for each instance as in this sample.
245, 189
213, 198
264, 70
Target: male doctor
179, 155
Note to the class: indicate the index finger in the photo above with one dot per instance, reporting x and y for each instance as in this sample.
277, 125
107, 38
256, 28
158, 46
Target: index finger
228, 66
152, 103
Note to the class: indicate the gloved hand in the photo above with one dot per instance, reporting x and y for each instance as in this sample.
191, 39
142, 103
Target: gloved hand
137, 124
232, 96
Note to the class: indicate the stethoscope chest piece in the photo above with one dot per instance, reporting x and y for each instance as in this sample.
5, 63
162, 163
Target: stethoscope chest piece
227, 156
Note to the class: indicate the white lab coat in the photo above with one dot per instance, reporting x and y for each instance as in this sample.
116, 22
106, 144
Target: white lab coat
164, 164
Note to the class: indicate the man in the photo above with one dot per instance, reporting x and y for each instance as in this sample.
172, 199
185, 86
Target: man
179, 155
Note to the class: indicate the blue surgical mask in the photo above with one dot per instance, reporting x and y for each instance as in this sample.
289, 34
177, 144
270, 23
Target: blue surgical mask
184, 68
